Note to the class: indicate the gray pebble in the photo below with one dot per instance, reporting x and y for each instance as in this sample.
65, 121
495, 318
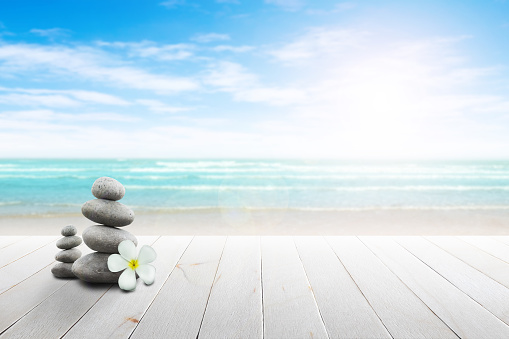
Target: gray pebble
93, 268
107, 212
66, 243
68, 256
63, 270
69, 230
108, 188
106, 239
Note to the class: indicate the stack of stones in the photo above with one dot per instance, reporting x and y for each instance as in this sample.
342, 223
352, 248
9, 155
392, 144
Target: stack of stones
69, 253
104, 238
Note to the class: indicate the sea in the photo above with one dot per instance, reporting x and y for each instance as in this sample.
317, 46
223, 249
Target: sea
53, 187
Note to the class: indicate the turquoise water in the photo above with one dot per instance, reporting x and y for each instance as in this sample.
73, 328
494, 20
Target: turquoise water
42, 187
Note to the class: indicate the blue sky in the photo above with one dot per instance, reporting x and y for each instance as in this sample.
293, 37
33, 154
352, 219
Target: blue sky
262, 79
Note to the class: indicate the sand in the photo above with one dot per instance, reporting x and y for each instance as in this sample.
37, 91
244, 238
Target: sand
372, 222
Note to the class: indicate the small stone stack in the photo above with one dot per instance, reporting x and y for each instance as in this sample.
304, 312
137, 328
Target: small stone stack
104, 238
69, 253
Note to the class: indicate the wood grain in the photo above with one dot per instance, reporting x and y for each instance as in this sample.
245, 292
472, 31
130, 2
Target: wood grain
341, 302
178, 310
21, 248
289, 307
462, 314
53, 317
493, 267
234, 309
486, 291
117, 313
402, 312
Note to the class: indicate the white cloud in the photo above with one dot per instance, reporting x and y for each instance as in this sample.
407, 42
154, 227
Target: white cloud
160, 107
234, 49
209, 37
245, 86
51, 32
150, 49
288, 5
172, 3
321, 42
56, 98
86, 63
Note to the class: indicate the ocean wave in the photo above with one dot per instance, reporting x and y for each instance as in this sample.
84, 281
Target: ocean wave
10, 203
319, 188
180, 209
45, 169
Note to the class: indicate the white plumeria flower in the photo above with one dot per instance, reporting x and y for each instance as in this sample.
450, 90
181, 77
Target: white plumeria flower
131, 265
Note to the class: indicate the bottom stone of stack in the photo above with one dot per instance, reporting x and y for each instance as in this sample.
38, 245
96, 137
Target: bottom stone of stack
63, 270
93, 268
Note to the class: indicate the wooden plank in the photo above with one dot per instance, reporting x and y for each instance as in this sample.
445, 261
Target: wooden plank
339, 299
178, 310
23, 247
402, 312
493, 267
491, 246
234, 309
486, 291
10, 239
28, 265
462, 314
62, 309
502, 238
26, 295
289, 307
117, 313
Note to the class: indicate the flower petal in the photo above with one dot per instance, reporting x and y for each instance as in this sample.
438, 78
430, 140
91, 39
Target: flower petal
147, 254
127, 280
116, 263
147, 273
127, 250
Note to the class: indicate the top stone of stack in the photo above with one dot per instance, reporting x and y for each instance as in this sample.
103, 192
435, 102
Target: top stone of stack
108, 188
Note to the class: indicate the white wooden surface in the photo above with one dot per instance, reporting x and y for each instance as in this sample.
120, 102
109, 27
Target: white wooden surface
289, 307
489, 265
234, 309
117, 313
486, 291
339, 299
402, 312
270, 287
62, 309
465, 317
178, 310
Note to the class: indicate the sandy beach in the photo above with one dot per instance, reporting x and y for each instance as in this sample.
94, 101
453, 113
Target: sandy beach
376, 222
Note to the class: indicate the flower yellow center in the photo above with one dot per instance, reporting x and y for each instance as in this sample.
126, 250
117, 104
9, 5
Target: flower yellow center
133, 264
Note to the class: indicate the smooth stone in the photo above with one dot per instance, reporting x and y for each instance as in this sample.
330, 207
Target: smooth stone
63, 270
108, 188
93, 268
107, 212
69, 230
106, 239
68, 256
66, 243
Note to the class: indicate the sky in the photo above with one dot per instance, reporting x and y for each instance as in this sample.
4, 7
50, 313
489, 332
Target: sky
254, 79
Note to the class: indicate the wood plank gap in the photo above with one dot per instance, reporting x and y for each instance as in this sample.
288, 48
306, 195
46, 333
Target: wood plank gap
501, 288
24, 255
9, 242
355, 282
213, 282
157, 294
86, 311
7, 328
261, 287
410, 289
51, 263
311, 287
454, 307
